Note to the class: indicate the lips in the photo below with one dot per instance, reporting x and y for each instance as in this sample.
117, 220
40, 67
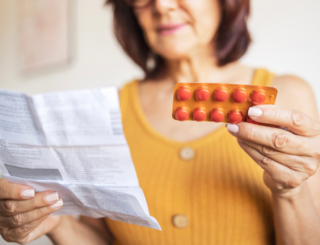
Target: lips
168, 29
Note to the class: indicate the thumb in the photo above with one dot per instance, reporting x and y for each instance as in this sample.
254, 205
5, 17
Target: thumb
50, 223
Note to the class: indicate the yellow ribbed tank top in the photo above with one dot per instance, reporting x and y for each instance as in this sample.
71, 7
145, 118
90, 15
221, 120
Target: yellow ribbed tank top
220, 190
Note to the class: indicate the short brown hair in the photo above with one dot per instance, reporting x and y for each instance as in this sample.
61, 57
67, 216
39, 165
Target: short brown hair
231, 41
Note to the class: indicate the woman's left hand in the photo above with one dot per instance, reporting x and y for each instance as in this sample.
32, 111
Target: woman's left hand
289, 157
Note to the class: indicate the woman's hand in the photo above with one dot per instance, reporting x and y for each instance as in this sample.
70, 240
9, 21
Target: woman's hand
24, 214
289, 157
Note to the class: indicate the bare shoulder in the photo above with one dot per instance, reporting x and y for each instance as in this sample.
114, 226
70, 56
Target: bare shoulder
296, 93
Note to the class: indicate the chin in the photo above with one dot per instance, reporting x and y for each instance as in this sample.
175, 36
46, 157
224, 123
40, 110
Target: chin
174, 51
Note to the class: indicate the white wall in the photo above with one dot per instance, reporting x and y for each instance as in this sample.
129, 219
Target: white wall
286, 38
97, 59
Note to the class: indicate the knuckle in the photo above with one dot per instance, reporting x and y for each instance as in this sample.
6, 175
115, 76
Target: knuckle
39, 212
311, 169
297, 119
4, 237
272, 114
9, 207
316, 153
279, 140
7, 237
266, 160
267, 150
17, 235
295, 180
251, 133
17, 220
24, 229
293, 183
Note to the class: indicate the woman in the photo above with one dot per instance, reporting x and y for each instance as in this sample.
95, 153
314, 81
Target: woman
199, 184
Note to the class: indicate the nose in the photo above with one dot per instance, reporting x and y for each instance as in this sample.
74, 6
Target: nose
163, 6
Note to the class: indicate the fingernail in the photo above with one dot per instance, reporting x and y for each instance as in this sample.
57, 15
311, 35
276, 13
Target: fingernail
254, 112
57, 204
233, 128
28, 193
52, 197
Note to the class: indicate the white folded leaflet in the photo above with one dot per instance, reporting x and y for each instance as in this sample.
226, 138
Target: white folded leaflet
72, 142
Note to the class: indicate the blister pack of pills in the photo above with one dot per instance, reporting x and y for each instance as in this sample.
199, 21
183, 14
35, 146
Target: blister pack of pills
228, 103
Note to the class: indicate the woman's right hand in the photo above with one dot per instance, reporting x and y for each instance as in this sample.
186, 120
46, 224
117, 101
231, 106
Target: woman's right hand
24, 213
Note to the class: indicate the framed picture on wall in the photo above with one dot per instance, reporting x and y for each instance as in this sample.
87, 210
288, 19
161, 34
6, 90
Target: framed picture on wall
44, 33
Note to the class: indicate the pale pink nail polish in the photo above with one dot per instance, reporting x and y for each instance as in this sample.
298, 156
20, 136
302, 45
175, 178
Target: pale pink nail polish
28, 193
254, 112
57, 204
233, 128
52, 197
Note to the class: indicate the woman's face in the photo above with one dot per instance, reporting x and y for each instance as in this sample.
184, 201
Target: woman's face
175, 29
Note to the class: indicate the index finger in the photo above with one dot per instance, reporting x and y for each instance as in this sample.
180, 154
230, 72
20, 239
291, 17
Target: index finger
274, 138
295, 121
9, 190
40, 200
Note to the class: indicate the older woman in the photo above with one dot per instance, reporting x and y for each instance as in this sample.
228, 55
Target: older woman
206, 184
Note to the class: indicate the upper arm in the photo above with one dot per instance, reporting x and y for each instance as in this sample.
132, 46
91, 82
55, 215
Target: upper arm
297, 94
99, 226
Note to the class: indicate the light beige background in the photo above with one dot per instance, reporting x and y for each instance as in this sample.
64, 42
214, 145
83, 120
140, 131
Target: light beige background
286, 37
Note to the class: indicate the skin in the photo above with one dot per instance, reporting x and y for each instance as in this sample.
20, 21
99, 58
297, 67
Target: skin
290, 158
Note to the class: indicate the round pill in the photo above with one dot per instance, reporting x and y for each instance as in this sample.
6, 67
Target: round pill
199, 114
239, 95
181, 114
258, 97
235, 117
202, 94
221, 94
217, 115
184, 93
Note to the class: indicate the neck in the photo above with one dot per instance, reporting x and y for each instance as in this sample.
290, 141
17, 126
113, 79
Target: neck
199, 67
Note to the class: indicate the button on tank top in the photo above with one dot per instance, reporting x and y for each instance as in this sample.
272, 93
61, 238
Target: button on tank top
206, 191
